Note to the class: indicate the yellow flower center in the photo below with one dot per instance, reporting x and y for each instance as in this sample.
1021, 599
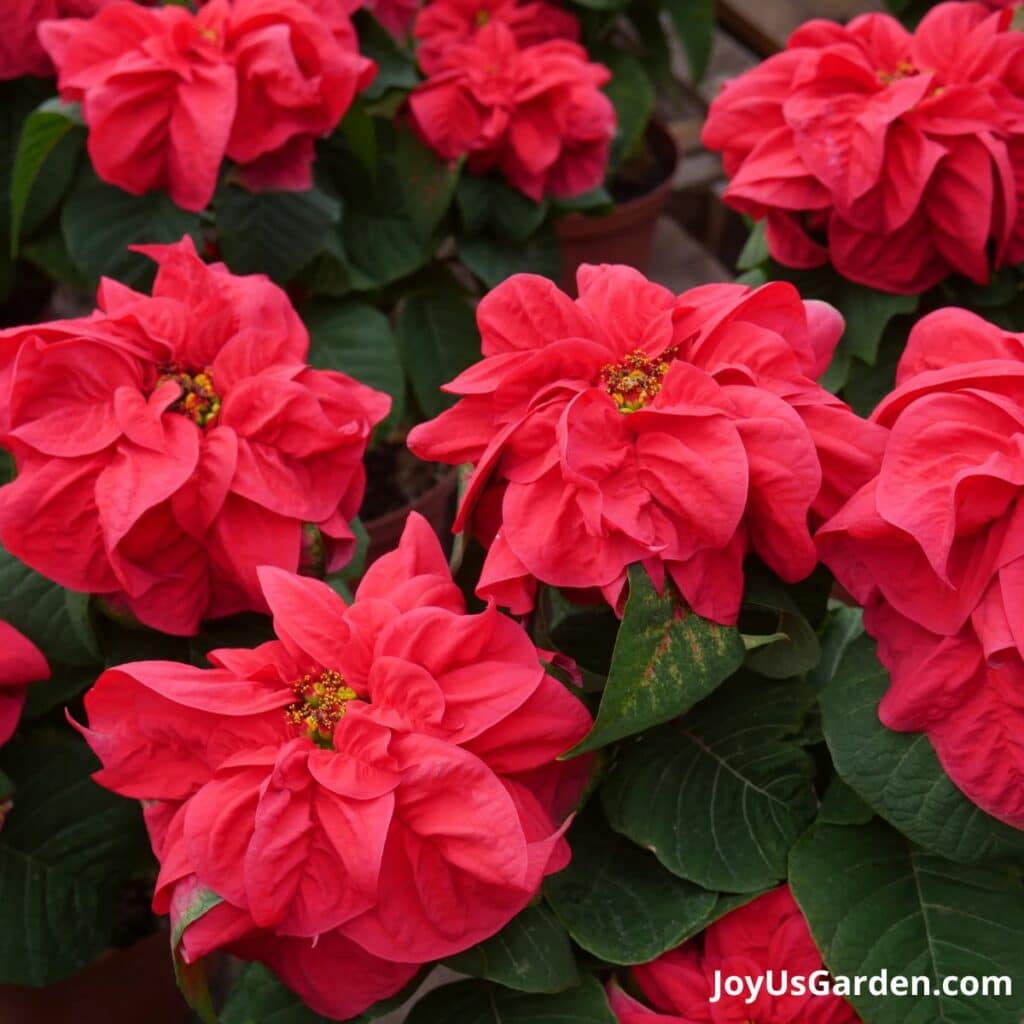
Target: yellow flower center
320, 701
482, 17
903, 70
198, 401
633, 382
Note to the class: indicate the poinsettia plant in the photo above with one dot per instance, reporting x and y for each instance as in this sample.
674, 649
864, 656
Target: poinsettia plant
883, 168
711, 712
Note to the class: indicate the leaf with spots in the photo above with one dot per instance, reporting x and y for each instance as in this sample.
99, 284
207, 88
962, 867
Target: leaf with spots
666, 659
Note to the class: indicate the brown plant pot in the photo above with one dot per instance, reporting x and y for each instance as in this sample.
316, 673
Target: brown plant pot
123, 987
624, 235
435, 505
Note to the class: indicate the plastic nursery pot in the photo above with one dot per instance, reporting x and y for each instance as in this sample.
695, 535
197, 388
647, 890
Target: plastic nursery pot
132, 984
432, 497
626, 234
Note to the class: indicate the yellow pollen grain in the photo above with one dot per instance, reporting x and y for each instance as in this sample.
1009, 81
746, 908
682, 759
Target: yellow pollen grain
636, 380
320, 702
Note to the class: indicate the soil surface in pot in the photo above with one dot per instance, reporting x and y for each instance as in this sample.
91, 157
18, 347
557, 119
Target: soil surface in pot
395, 478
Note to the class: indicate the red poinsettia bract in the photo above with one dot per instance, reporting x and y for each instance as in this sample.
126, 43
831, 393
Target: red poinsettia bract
537, 113
897, 157
167, 93
21, 52
768, 934
167, 445
933, 548
446, 23
21, 663
632, 425
375, 789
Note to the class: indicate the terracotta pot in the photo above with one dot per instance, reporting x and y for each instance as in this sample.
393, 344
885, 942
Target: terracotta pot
625, 235
133, 984
435, 505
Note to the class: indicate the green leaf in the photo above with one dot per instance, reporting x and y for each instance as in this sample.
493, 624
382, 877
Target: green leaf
898, 774
360, 135
437, 339
841, 806
396, 67
867, 312
381, 244
354, 338
428, 183
192, 977
66, 682
477, 1002
694, 22
666, 659
632, 95
532, 953
794, 647
273, 233
722, 795
56, 620
100, 222
42, 131
257, 997
493, 259
62, 850
755, 249
618, 902
876, 903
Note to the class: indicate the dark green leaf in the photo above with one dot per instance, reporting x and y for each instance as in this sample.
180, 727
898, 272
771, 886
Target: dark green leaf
875, 903
360, 135
66, 682
428, 183
493, 259
381, 245
755, 249
722, 795
532, 953
273, 233
618, 902
898, 774
841, 806
477, 1002
793, 648
632, 95
437, 339
100, 222
396, 68
56, 620
694, 22
62, 849
666, 659
356, 339
40, 134
257, 997
867, 312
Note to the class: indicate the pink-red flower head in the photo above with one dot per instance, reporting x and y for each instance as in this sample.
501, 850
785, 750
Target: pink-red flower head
21, 663
167, 93
21, 52
167, 445
375, 789
634, 426
537, 113
897, 157
446, 23
933, 548
768, 934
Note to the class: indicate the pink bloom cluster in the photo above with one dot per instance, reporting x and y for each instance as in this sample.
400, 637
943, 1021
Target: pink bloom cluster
375, 789
167, 445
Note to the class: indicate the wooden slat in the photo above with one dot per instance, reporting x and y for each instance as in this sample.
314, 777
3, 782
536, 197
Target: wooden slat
765, 25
